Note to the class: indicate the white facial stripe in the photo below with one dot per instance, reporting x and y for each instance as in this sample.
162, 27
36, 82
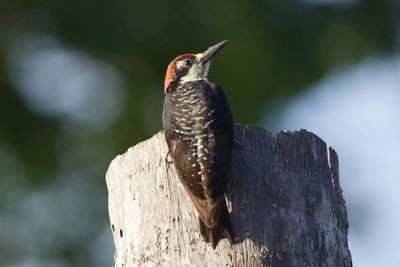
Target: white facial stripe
180, 64
195, 74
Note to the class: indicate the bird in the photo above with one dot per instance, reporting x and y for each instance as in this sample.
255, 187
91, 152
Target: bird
199, 131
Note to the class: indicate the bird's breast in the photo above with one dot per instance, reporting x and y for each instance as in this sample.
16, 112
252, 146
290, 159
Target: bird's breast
193, 122
193, 115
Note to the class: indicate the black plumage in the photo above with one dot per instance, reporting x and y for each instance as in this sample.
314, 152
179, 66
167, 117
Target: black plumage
198, 128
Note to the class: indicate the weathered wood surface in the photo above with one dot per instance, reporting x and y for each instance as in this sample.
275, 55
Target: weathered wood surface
284, 196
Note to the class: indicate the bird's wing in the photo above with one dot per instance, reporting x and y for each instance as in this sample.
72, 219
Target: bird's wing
218, 164
183, 160
221, 150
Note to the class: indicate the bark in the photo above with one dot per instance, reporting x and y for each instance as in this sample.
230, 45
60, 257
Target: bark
284, 196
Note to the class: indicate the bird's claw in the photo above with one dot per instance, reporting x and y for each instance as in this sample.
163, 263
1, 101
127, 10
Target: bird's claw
168, 160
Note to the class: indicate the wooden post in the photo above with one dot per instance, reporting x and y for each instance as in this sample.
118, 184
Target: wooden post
284, 195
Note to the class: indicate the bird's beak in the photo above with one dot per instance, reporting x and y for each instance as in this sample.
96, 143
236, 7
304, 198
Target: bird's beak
210, 52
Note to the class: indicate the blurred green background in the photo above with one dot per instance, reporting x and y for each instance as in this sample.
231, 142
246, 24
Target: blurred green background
81, 81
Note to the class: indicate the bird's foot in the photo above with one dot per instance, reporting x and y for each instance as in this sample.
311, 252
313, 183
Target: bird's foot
168, 160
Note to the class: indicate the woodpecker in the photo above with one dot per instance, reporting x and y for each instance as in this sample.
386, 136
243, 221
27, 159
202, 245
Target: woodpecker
198, 129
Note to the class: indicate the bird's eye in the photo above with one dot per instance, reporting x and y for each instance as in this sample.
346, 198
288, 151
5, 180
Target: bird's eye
188, 62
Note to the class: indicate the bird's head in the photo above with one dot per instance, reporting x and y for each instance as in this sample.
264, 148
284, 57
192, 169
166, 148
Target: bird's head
190, 67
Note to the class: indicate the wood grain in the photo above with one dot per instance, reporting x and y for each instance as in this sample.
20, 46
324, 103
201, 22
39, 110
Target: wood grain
284, 196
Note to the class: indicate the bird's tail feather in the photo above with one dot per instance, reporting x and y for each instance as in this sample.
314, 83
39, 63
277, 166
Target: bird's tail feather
222, 230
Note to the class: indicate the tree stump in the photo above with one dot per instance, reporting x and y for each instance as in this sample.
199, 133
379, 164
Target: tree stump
284, 197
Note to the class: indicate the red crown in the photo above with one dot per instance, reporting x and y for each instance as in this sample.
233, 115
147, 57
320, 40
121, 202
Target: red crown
171, 70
